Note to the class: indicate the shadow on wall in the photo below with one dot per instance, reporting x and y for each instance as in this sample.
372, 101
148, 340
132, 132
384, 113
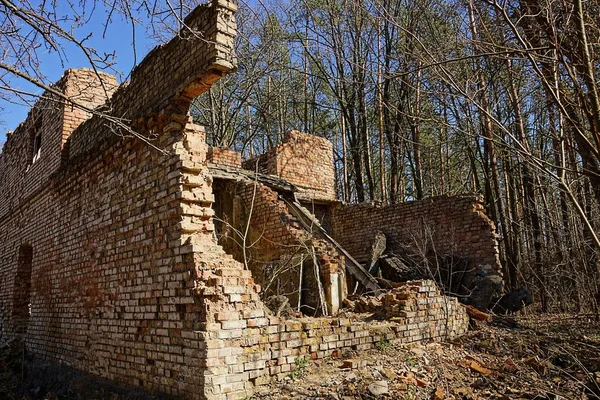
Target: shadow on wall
21, 310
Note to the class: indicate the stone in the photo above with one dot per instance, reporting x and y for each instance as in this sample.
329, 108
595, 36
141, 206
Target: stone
353, 363
389, 373
378, 388
351, 377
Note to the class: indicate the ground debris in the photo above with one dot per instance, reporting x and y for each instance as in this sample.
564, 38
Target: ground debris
477, 314
378, 388
544, 358
474, 366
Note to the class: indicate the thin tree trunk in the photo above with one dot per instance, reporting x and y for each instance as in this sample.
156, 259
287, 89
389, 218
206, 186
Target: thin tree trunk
380, 115
306, 74
345, 161
493, 187
416, 138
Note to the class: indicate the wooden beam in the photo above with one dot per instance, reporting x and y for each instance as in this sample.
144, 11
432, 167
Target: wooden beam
352, 266
239, 174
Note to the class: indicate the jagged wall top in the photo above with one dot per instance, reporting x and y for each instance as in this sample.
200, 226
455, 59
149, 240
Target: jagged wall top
304, 160
165, 82
171, 75
24, 169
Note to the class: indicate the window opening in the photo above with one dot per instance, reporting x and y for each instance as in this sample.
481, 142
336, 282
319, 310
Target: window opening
37, 147
35, 143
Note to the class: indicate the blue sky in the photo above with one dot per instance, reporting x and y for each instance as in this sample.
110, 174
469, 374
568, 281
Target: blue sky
118, 39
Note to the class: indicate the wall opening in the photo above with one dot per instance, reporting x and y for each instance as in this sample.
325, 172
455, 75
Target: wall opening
21, 310
310, 300
35, 142
37, 147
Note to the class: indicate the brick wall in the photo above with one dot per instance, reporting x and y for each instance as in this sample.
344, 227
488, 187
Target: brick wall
108, 277
421, 313
126, 281
53, 120
224, 156
456, 225
89, 88
170, 76
453, 227
115, 252
304, 160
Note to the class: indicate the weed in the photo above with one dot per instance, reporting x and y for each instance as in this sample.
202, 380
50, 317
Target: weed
383, 345
301, 364
411, 362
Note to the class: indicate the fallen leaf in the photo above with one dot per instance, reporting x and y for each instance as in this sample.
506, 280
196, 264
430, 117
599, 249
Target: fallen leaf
438, 394
478, 368
535, 363
510, 366
421, 382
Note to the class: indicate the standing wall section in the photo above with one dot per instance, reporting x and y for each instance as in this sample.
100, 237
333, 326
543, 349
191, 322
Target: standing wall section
454, 225
304, 160
53, 119
109, 279
447, 226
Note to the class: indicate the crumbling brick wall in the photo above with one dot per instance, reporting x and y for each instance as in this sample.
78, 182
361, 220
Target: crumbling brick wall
421, 313
455, 225
116, 255
224, 156
172, 75
108, 281
303, 160
52, 119
277, 243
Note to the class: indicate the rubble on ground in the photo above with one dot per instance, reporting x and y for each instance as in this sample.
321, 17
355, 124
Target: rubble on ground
542, 358
405, 299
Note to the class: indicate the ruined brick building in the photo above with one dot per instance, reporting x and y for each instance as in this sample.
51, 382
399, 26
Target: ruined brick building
111, 263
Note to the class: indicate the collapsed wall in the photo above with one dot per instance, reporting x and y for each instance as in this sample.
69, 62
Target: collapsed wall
255, 223
448, 226
420, 313
257, 228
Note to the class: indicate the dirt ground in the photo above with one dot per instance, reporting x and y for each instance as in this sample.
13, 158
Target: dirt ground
548, 357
